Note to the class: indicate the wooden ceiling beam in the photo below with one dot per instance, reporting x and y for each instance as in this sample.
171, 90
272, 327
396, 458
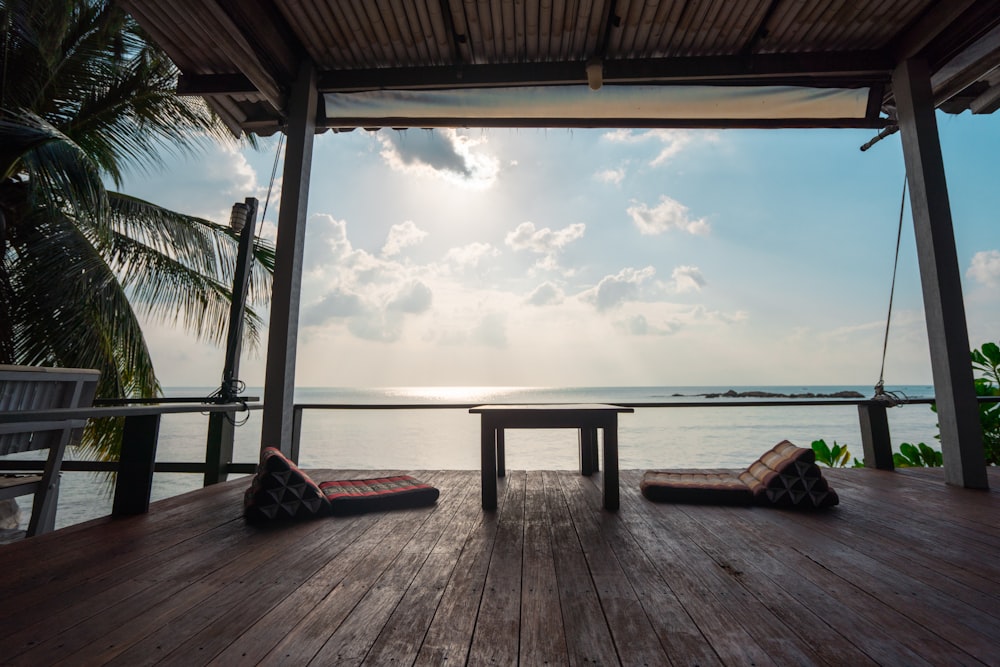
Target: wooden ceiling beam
822, 70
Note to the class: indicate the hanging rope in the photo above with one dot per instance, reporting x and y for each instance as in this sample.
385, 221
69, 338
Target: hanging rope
274, 171
880, 392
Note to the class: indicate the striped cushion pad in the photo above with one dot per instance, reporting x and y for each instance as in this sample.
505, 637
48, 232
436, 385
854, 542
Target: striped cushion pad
696, 486
785, 476
356, 496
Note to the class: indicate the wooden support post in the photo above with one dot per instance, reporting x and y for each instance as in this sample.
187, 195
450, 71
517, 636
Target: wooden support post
279, 382
135, 466
940, 277
875, 438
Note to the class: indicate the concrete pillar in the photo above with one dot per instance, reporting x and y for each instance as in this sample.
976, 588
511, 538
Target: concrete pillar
279, 382
940, 277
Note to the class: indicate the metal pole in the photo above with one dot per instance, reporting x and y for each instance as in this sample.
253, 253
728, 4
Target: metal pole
221, 431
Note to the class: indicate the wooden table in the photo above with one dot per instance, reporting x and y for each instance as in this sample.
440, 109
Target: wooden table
585, 417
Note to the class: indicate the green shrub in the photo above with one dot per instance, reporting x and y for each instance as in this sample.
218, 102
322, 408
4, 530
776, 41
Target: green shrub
986, 361
917, 456
836, 456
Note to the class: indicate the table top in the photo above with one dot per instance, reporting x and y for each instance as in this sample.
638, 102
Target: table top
551, 407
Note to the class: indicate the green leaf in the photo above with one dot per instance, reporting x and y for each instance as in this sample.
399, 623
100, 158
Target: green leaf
836, 456
822, 452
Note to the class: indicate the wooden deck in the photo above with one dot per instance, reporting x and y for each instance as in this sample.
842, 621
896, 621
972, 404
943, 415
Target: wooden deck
905, 571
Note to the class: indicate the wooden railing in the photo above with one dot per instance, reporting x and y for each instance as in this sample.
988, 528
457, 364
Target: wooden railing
138, 463
872, 417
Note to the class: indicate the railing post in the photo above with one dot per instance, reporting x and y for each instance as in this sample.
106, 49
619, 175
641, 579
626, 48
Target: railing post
296, 434
219, 447
135, 466
875, 435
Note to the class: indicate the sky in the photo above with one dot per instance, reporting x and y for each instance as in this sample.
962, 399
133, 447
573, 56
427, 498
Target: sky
601, 257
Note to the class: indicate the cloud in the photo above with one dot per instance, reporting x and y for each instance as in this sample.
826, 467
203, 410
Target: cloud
402, 236
442, 153
668, 214
985, 268
687, 279
545, 294
543, 241
337, 303
612, 176
327, 240
470, 256
638, 325
672, 142
379, 327
414, 298
205, 183
613, 291
371, 296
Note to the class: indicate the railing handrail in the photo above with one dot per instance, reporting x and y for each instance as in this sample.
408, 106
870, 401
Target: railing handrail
103, 402
711, 403
16, 416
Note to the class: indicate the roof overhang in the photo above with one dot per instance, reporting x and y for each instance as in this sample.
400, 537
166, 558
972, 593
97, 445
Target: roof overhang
670, 63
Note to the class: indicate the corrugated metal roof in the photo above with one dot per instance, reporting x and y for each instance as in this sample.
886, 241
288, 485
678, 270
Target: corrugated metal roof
244, 54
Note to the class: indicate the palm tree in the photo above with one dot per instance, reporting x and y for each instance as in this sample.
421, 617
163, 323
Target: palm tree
84, 95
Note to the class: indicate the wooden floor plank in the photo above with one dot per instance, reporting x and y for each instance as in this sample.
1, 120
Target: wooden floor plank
588, 637
942, 564
449, 635
889, 593
543, 641
496, 637
744, 631
677, 632
631, 631
390, 626
902, 572
377, 551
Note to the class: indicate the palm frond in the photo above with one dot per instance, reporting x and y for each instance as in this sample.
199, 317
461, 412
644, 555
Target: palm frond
61, 173
206, 246
173, 293
82, 319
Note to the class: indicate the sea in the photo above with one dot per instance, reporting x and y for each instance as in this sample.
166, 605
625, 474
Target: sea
684, 436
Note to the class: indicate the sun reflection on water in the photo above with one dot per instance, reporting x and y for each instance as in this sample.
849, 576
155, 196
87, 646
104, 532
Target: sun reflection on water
455, 394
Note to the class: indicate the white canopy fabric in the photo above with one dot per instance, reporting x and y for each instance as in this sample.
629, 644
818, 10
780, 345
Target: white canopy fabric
715, 103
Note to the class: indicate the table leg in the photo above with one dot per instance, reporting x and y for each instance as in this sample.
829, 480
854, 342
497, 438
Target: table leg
611, 491
488, 456
501, 460
588, 451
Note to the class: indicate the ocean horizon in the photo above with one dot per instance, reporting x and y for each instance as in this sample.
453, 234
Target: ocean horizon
448, 439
